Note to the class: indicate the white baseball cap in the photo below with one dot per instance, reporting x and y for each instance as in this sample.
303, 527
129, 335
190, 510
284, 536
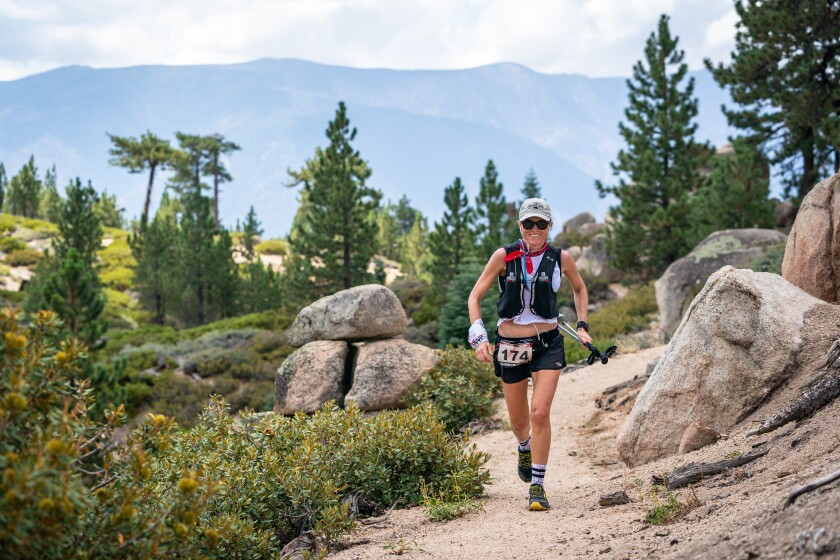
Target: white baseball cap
535, 208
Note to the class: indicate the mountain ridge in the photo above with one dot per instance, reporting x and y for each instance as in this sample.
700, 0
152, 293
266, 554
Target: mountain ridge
417, 129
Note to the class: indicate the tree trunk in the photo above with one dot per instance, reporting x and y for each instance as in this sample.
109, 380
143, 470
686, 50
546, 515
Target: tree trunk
807, 404
144, 219
695, 472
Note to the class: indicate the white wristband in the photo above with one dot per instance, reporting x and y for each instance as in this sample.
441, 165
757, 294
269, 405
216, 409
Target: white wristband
478, 334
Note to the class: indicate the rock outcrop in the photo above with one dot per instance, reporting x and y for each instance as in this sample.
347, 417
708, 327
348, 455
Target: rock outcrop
385, 371
372, 373
686, 276
361, 313
740, 339
310, 377
594, 260
812, 255
575, 223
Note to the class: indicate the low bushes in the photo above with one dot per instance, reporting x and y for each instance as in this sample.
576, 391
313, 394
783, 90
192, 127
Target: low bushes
23, 257
272, 247
461, 388
224, 489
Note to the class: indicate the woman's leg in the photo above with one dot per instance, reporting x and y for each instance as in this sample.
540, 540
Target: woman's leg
516, 398
545, 385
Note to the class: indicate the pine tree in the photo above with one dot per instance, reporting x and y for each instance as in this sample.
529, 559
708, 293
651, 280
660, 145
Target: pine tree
451, 241
223, 281
531, 186
189, 163
79, 225
454, 321
149, 152
736, 195
335, 239
784, 77
158, 262
216, 147
415, 256
405, 215
49, 207
24, 193
251, 232
659, 169
260, 289
387, 233
108, 212
73, 291
197, 259
530, 189
491, 212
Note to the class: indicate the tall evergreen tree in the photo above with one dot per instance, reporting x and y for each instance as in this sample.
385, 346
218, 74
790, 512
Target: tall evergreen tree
530, 189
73, 291
338, 229
199, 259
491, 212
452, 240
659, 169
158, 262
216, 147
531, 186
737, 192
405, 215
415, 256
24, 193
251, 232
69, 282
49, 207
387, 233
148, 153
784, 77
109, 212
79, 225
189, 163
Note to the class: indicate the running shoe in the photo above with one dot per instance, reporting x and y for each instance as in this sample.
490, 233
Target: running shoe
524, 466
536, 498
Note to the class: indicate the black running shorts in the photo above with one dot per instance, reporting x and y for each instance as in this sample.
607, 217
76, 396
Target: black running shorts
548, 353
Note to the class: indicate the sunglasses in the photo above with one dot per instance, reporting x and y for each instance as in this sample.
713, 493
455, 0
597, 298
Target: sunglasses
529, 224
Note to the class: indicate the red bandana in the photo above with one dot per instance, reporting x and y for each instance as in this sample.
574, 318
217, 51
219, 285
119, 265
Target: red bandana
529, 265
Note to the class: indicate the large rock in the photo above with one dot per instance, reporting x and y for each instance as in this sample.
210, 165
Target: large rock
310, 377
743, 335
593, 259
686, 276
812, 255
361, 313
575, 223
385, 371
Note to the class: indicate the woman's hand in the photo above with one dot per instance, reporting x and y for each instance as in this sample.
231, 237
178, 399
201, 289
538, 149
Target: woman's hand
484, 352
584, 337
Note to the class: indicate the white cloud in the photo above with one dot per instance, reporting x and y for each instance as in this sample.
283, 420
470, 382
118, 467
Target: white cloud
592, 37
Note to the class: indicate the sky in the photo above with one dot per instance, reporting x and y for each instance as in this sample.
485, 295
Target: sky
592, 37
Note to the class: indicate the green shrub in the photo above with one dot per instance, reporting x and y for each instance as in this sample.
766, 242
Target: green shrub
461, 388
11, 244
272, 247
8, 222
224, 489
627, 315
65, 491
23, 257
770, 260
42, 228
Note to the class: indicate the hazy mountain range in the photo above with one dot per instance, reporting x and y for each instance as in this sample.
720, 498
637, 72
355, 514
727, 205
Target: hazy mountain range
417, 129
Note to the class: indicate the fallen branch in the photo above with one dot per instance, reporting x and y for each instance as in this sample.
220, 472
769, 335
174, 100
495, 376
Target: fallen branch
695, 472
813, 485
807, 404
610, 393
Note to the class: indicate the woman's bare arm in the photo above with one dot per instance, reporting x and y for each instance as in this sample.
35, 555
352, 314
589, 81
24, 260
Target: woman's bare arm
580, 294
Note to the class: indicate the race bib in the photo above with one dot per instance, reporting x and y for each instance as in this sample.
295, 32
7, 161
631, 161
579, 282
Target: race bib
512, 354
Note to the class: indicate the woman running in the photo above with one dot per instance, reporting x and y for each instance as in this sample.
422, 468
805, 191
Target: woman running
528, 342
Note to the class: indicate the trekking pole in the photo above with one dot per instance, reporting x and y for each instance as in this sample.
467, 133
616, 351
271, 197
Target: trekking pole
595, 353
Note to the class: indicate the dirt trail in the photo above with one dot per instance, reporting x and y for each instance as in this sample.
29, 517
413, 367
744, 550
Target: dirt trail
583, 465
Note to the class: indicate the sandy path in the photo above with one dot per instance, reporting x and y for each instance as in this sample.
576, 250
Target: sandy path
583, 465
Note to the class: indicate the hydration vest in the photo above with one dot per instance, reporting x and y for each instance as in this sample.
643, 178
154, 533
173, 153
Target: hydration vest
512, 285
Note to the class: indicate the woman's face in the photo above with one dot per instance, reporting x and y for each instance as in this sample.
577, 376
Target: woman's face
534, 237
